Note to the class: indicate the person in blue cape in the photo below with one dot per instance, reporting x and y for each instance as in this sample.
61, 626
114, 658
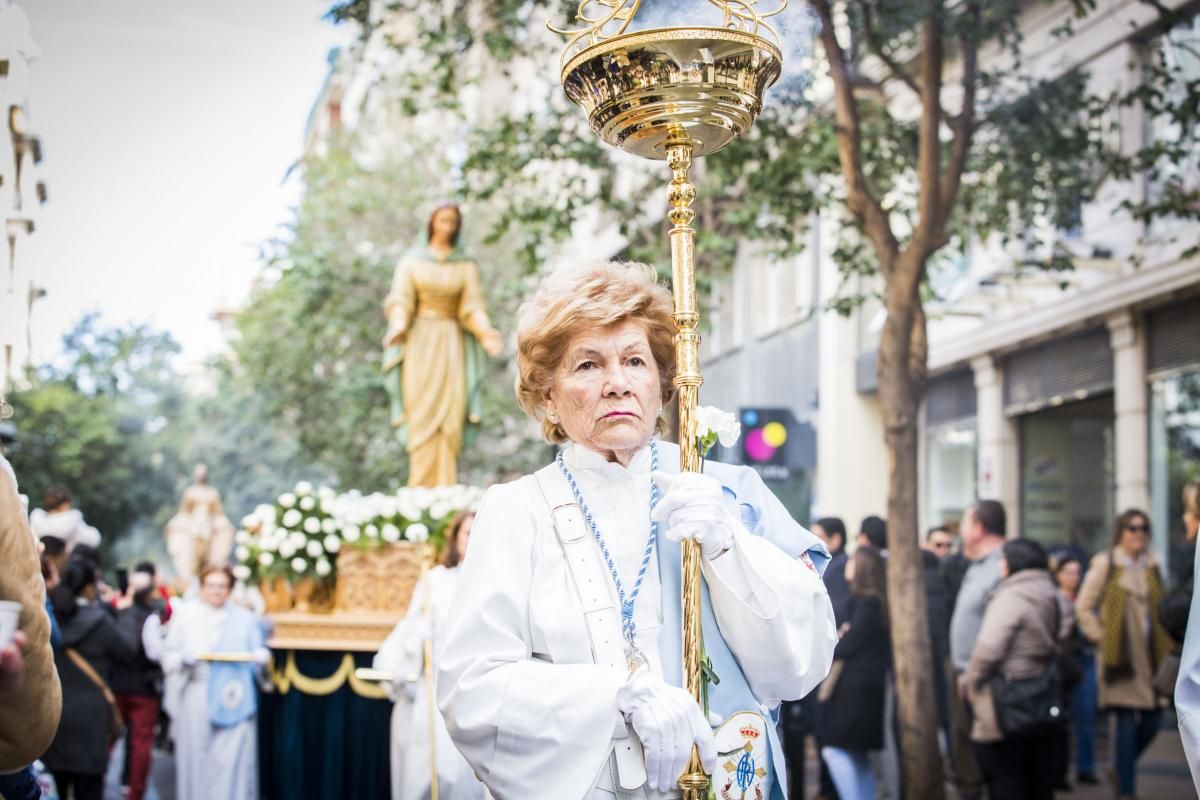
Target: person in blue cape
212, 702
559, 673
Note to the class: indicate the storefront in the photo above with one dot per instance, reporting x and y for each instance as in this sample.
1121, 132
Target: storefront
1059, 394
1173, 368
951, 451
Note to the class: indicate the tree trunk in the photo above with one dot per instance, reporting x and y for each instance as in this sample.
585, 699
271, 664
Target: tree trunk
901, 373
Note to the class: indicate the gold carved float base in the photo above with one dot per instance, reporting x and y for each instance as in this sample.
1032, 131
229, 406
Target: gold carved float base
354, 631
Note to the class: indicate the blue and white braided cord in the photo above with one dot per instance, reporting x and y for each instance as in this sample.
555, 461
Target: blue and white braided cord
628, 626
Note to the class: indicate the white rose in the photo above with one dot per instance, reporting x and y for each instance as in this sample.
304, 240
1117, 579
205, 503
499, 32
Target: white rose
304, 487
286, 550
329, 525
312, 525
314, 548
266, 559
417, 532
390, 533
299, 564
287, 499
242, 552
327, 505
325, 493
332, 544
441, 509
350, 533
241, 572
711, 420
371, 531
249, 521
422, 497
324, 567
297, 540
292, 518
308, 503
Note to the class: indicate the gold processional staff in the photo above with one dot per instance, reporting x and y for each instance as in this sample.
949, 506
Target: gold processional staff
673, 94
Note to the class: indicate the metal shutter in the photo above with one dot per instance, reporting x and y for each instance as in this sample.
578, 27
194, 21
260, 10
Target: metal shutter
950, 397
1071, 368
1173, 337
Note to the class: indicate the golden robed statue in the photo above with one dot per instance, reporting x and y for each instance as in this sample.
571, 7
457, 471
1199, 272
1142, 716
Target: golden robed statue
433, 360
199, 534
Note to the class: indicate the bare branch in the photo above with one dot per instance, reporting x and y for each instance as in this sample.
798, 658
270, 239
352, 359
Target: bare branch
864, 205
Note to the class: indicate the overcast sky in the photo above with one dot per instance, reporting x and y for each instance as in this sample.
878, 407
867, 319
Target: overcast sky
167, 127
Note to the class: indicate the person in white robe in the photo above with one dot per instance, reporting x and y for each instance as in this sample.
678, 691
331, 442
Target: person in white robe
403, 655
213, 704
545, 700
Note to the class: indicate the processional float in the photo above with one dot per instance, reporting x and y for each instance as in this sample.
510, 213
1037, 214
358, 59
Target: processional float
674, 94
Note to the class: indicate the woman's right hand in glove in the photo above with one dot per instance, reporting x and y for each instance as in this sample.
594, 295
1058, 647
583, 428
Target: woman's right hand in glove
668, 722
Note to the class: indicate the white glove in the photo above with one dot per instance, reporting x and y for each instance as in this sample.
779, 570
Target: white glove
668, 722
693, 506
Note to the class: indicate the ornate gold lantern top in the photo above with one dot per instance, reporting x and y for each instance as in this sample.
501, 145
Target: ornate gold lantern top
644, 90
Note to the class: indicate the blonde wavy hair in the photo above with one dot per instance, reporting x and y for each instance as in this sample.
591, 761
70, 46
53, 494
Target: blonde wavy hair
577, 299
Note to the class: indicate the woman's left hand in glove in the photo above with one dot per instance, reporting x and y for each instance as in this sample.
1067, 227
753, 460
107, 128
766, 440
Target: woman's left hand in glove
693, 506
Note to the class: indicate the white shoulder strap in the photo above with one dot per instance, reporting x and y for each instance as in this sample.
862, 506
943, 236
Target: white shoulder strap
600, 615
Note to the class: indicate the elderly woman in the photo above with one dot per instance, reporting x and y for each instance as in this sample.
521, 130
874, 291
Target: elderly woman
560, 668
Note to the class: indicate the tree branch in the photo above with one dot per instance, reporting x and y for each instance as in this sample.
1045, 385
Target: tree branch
929, 148
964, 125
865, 207
876, 46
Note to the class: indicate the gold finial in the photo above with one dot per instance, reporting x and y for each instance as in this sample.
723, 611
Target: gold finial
606, 19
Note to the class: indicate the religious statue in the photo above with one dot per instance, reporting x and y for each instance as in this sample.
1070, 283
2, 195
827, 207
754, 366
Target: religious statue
199, 534
433, 362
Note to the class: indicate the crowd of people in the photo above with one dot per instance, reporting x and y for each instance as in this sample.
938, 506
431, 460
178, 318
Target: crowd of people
1029, 650
130, 663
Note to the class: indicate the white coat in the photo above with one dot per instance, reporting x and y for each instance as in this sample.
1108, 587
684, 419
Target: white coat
521, 695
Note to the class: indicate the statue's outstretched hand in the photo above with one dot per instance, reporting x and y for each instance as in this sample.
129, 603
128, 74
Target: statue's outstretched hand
491, 342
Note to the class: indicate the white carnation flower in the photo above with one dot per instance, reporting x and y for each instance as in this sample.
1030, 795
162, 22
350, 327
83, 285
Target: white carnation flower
286, 550
242, 552
287, 499
417, 532
332, 544
249, 521
390, 533
371, 531
241, 572
350, 533
323, 567
266, 559
314, 548
297, 539
299, 564
325, 493
303, 488
292, 518
265, 513
422, 497
713, 422
308, 503
312, 525
329, 525
328, 505
441, 509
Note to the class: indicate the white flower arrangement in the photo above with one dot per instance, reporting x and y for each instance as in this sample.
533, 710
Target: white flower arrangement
300, 534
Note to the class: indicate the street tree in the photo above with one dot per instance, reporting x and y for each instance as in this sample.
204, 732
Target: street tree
923, 132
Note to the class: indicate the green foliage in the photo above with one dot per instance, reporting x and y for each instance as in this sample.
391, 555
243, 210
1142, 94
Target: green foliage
102, 423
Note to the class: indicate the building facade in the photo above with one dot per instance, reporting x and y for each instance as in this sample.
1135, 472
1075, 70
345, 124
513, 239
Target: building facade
22, 192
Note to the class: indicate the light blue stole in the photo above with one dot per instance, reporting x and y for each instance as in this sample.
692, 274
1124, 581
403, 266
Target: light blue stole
760, 512
232, 695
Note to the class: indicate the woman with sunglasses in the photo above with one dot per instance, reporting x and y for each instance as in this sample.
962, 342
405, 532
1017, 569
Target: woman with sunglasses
1116, 610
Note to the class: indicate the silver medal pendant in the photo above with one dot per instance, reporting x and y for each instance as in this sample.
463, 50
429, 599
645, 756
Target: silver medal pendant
634, 659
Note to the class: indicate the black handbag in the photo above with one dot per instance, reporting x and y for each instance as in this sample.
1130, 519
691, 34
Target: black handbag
1030, 705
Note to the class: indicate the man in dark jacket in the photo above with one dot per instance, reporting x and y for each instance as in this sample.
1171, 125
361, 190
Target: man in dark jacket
137, 682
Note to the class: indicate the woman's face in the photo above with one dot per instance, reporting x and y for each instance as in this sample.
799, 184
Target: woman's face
1135, 535
606, 393
215, 589
1068, 577
464, 533
444, 225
